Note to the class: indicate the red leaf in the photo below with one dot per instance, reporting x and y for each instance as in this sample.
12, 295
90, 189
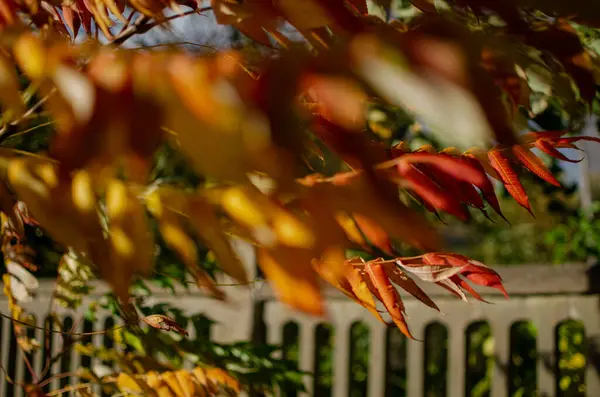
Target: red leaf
563, 141
534, 136
465, 285
549, 148
354, 148
509, 177
454, 167
389, 296
430, 192
359, 5
475, 271
487, 189
534, 164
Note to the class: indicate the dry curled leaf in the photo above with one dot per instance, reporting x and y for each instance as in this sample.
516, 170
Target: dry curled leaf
165, 323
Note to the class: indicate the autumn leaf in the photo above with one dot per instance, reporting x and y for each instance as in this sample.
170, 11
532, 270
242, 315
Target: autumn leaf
294, 281
389, 296
509, 177
360, 289
161, 204
534, 164
208, 226
550, 149
399, 278
160, 321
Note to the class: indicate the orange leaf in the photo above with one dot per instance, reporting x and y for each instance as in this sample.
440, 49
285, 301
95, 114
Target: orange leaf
509, 177
534, 164
361, 290
290, 270
389, 296
374, 233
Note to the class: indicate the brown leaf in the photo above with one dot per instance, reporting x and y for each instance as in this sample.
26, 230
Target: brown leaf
427, 6
165, 323
399, 278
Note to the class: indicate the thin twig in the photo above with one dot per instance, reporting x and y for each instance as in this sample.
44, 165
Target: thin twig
101, 332
142, 25
176, 43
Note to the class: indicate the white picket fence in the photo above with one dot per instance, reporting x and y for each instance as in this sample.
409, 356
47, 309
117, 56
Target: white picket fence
544, 295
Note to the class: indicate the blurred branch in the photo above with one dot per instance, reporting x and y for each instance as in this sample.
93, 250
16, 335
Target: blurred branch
142, 25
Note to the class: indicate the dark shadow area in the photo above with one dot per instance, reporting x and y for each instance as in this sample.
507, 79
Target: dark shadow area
435, 361
395, 365
324, 342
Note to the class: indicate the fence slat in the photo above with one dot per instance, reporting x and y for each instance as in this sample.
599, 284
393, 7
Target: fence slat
341, 355
307, 353
546, 357
415, 369
5, 349
456, 356
592, 374
501, 335
377, 357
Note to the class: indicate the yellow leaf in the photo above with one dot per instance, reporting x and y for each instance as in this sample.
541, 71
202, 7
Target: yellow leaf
10, 98
186, 381
200, 375
129, 228
128, 384
83, 194
31, 56
171, 380
175, 236
240, 204
219, 376
48, 205
291, 231
209, 228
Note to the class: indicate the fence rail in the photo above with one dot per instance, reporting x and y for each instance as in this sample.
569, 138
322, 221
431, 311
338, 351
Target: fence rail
544, 295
